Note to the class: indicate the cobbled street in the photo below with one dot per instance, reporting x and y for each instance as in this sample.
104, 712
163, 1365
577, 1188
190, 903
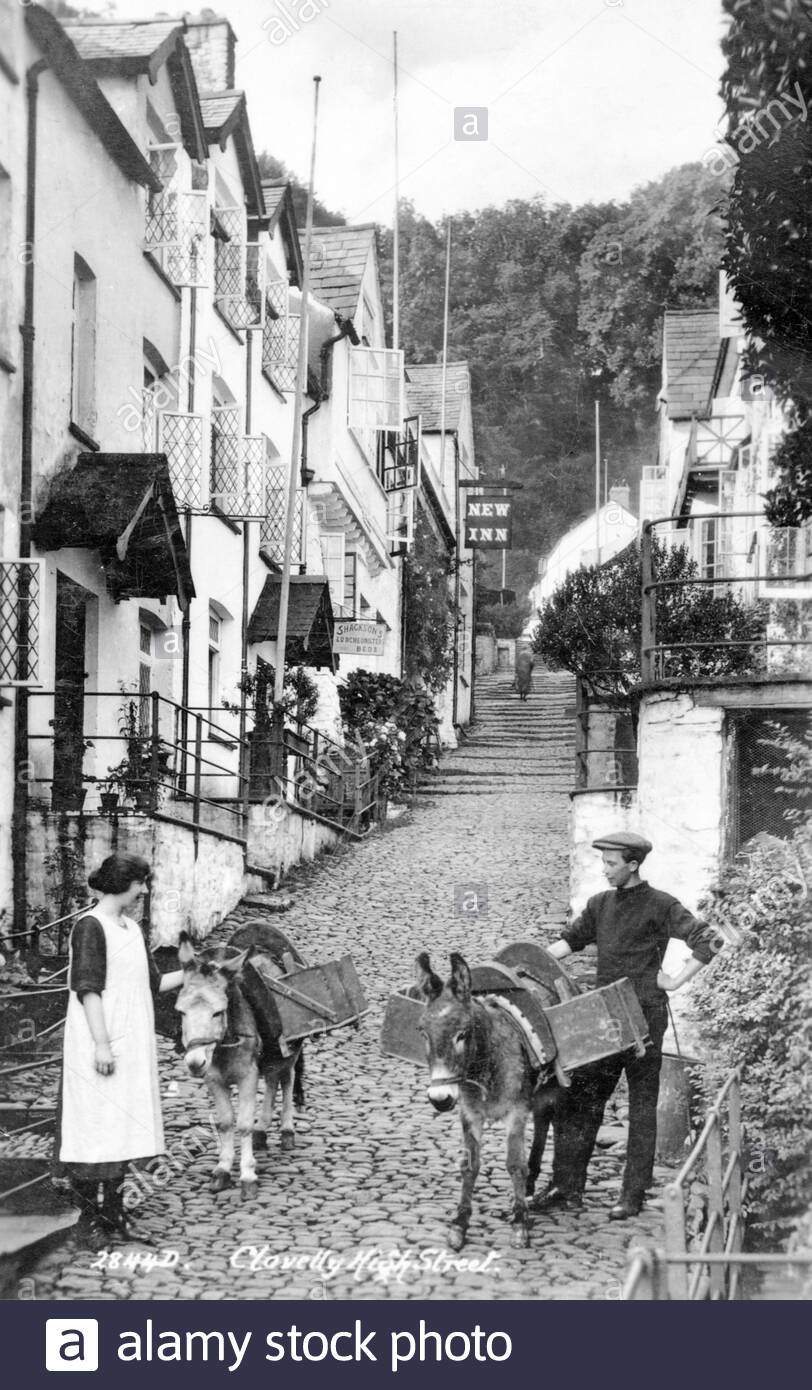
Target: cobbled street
359, 1209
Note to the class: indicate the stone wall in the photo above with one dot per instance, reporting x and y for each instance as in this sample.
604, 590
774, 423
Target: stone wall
682, 792
679, 803
188, 893
485, 651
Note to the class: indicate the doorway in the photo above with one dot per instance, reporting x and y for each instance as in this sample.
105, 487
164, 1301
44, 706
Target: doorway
760, 801
69, 694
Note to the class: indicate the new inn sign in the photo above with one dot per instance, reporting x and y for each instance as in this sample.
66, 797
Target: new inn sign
489, 523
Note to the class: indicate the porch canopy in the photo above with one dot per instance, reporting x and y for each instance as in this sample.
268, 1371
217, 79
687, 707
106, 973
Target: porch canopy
310, 619
123, 506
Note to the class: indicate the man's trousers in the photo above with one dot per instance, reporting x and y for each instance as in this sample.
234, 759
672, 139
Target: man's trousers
581, 1114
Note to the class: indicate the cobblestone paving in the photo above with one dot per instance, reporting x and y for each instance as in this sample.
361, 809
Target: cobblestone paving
359, 1209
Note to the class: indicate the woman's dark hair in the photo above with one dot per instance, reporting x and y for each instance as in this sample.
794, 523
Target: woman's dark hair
118, 872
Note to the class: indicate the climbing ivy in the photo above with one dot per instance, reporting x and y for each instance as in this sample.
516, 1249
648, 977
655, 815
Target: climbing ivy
428, 609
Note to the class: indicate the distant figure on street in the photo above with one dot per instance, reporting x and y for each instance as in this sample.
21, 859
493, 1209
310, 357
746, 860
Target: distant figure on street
524, 672
631, 925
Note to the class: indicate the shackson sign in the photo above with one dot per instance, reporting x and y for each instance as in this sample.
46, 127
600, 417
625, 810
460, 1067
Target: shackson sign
489, 523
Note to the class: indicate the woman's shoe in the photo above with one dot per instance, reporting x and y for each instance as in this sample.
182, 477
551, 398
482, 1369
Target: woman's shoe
124, 1227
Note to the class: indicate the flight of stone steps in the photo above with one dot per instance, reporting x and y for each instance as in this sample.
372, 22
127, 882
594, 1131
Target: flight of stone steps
516, 746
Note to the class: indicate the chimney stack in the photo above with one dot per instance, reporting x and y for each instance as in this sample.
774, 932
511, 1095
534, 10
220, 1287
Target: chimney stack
211, 42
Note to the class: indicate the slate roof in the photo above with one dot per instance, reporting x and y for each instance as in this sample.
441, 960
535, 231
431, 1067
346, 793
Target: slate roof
60, 50
424, 393
273, 191
690, 352
217, 109
93, 506
130, 47
133, 45
338, 260
310, 618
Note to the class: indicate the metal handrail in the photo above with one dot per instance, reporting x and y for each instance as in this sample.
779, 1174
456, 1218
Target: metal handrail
666, 1273
649, 647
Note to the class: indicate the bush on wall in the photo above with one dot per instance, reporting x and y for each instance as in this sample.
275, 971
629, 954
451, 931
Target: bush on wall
394, 721
753, 1007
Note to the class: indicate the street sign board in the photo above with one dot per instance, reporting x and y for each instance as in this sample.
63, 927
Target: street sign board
359, 638
489, 523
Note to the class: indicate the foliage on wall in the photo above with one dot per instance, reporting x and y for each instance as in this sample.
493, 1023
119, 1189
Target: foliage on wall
428, 609
767, 88
396, 723
753, 1005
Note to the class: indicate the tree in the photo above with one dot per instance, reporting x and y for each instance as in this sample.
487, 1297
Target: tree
660, 250
767, 87
592, 624
507, 620
539, 298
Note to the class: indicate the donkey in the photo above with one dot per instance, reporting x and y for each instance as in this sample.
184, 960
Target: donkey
227, 1044
476, 1056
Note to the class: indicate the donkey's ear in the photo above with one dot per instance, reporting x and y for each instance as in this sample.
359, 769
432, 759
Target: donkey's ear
460, 982
232, 968
186, 951
427, 982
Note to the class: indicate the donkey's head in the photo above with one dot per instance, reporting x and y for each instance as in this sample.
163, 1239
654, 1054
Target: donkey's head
203, 1002
448, 1028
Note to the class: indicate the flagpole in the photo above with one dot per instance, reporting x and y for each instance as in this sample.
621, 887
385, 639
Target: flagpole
395, 228
445, 351
301, 391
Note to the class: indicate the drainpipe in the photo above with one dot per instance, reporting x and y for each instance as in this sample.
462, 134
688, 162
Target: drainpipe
186, 622
326, 361
457, 581
20, 815
246, 563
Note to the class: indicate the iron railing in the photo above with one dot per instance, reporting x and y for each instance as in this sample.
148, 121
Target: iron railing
598, 766
170, 755
166, 753
303, 767
655, 655
716, 1260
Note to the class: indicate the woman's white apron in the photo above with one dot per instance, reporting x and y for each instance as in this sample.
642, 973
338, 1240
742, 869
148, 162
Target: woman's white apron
109, 1118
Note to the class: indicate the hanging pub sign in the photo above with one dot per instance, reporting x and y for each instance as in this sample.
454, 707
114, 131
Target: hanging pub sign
489, 523
359, 638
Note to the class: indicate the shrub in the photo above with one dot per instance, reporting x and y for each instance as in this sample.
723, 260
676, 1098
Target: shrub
395, 722
591, 625
428, 609
754, 1006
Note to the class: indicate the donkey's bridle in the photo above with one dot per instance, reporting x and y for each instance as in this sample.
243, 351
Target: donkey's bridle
215, 1042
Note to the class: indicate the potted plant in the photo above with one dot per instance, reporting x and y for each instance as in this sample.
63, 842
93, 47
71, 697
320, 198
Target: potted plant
108, 797
133, 775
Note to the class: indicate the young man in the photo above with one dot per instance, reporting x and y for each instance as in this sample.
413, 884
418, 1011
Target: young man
631, 925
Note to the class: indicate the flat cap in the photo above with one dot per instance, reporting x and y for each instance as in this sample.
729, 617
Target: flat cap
624, 839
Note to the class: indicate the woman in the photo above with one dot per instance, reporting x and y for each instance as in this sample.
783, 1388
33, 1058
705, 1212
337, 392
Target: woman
524, 672
110, 1111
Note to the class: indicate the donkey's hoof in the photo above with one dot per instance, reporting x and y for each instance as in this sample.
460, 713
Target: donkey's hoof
520, 1238
455, 1237
287, 1140
219, 1180
249, 1187
259, 1140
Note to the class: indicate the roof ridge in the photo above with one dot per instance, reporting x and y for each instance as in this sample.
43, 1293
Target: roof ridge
88, 22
